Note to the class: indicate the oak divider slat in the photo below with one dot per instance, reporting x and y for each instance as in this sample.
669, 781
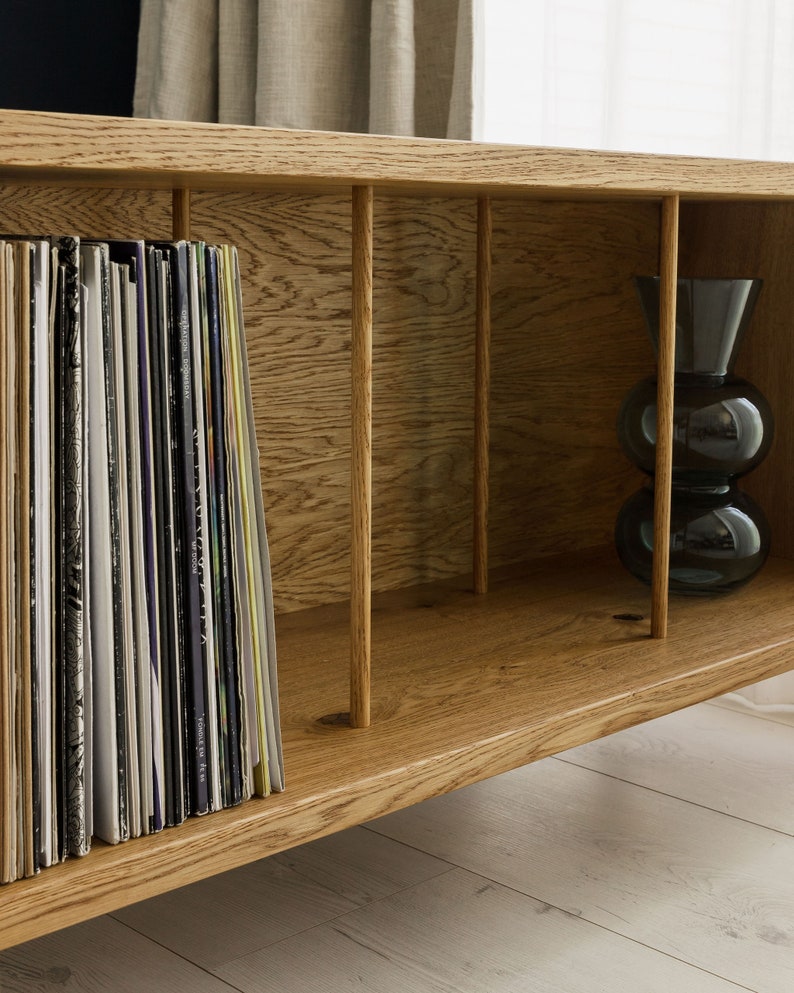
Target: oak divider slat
181, 215
482, 379
361, 459
663, 480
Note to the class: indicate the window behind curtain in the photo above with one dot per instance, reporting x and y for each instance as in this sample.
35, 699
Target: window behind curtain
700, 77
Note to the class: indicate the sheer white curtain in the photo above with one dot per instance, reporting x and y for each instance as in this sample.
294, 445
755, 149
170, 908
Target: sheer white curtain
693, 77
384, 66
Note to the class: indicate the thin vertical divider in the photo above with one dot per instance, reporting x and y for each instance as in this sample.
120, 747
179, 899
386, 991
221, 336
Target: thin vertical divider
361, 458
482, 382
180, 215
663, 480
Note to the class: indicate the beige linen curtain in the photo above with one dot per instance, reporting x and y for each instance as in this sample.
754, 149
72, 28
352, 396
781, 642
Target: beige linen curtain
382, 66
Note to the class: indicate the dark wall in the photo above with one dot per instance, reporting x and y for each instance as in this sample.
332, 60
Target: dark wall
76, 56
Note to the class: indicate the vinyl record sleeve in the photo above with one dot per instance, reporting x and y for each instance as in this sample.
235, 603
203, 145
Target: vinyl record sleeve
200, 375
41, 550
70, 353
159, 330
222, 554
143, 529
249, 739
107, 786
186, 484
261, 555
8, 806
269, 773
124, 593
24, 675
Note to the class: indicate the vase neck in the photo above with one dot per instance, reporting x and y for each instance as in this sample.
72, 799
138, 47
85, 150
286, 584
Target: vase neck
711, 319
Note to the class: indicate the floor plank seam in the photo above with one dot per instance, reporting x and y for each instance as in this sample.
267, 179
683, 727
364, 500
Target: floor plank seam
372, 826
748, 711
353, 910
307, 876
289, 937
178, 955
581, 916
672, 796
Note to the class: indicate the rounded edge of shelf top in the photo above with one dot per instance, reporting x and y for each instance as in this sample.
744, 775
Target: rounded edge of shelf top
82, 150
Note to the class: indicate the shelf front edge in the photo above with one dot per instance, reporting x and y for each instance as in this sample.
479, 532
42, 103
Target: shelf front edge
133, 152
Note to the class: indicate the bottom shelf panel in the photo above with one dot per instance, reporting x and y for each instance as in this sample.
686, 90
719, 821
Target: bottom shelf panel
464, 687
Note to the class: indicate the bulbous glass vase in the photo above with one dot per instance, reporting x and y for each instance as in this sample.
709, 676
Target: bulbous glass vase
722, 428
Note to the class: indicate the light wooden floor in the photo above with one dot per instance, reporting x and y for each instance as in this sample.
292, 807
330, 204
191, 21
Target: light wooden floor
660, 859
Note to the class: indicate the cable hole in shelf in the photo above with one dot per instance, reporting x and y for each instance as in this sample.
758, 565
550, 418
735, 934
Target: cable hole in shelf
628, 617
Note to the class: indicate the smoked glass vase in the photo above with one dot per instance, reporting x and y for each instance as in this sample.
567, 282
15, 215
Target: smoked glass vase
722, 428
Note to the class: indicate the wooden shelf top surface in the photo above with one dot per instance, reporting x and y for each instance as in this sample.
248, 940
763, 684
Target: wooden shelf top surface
464, 687
128, 152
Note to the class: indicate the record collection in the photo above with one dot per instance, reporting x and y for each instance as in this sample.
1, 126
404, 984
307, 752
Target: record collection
137, 664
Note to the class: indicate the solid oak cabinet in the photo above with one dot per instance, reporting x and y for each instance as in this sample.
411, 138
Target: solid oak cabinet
460, 436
